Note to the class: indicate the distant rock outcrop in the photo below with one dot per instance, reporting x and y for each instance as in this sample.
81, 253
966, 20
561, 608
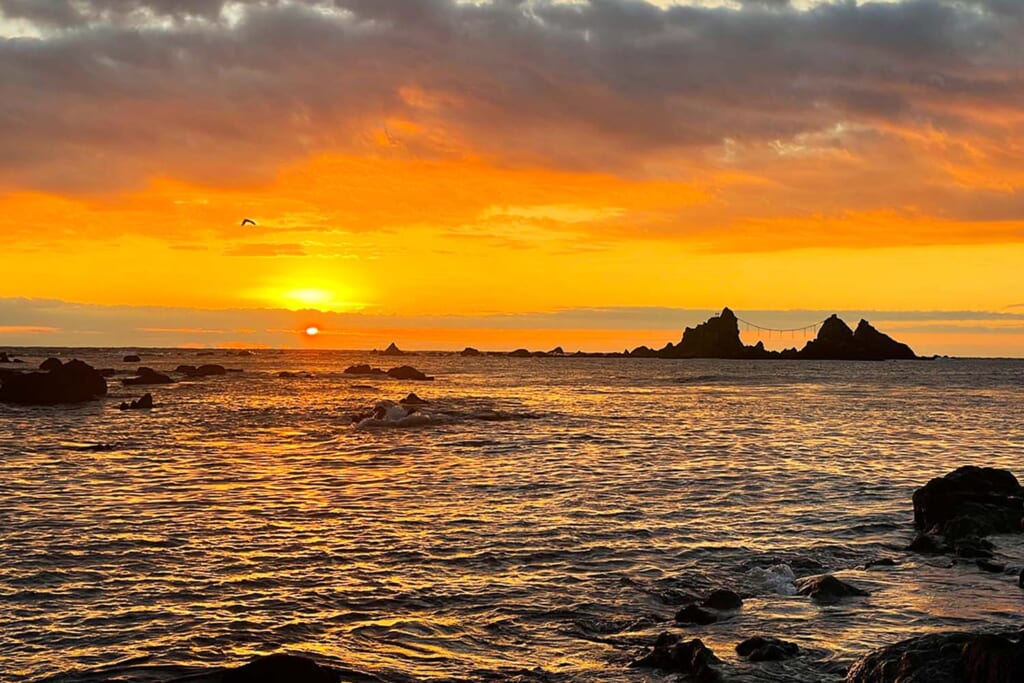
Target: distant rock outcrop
363, 369
71, 382
719, 337
408, 372
146, 375
392, 350
469, 351
131, 358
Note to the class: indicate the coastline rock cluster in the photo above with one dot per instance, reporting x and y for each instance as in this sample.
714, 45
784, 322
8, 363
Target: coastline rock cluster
406, 372
55, 383
719, 337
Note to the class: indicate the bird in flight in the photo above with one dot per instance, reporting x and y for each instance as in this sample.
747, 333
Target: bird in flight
248, 221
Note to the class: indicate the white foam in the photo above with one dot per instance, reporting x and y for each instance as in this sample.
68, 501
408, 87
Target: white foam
777, 578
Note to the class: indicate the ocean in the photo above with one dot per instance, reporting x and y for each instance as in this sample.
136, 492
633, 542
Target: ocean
540, 520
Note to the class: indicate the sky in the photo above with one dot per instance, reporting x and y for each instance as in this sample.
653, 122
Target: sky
595, 175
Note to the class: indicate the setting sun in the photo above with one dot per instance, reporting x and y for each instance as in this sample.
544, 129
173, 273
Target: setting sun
312, 331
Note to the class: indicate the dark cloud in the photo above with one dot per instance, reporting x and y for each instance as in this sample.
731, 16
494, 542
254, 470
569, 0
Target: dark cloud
119, 91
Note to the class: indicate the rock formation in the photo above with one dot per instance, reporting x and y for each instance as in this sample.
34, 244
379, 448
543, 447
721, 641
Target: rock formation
392, 350
719, 337
943, 658
71, 382
146, 375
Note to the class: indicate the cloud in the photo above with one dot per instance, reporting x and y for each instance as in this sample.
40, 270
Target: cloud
207, 89
263, 249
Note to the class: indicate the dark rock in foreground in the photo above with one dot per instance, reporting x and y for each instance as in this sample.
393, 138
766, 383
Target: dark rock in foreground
71, 382
943, 658
408, 372
51, 364
281, 668
670, 653
827, 589
970, 502
144, 403
766, 649
4, 358
131, 358
146, 375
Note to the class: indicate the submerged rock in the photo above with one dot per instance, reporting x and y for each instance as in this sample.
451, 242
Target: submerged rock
970, 501
144, 403
827, 589
927, 544
408, 372
146, 375
363, 369
943, 658
694, 614
766, 649
71, 382
281, 668
131, 358
723, 598
670, 653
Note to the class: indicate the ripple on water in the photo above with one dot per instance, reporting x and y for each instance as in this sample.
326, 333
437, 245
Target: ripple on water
545, 531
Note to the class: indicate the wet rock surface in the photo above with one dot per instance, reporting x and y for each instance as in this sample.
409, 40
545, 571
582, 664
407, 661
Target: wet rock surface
969, 502
281, 668
672, 654
408, 372
766, 649
144, 403
827, 589
952, 657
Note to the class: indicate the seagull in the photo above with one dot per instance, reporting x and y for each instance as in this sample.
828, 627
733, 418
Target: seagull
248, 221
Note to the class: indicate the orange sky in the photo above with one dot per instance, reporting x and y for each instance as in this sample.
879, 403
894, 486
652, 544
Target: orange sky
483, 160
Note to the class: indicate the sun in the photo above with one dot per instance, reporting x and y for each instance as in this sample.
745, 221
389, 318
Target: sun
312, 331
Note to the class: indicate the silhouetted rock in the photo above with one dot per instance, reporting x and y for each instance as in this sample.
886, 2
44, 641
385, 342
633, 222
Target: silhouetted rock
209, 370
144, 403
187, 370
408, 372
693, 614
670, 653
131, 358
836, 341
557, 351
826, 589
146, 375
766, 649
107, 372
521, 353
469, 351
877, 346
718, 337
71, 382
242, 353
281, 668
943, 658
51, 364
4, 357
723, 598
973, 547
363, 369
392, 350
642, 352
970, 502
413, 400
